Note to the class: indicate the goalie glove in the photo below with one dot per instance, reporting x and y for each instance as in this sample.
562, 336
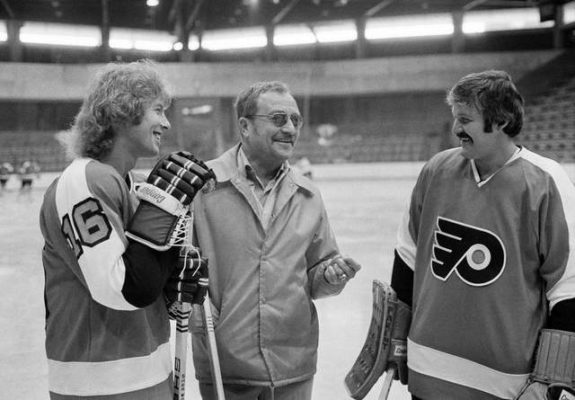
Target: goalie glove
164, 199
553, 377
385, 347
189, 280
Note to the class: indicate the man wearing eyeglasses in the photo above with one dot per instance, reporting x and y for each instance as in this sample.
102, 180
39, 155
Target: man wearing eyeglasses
271, 251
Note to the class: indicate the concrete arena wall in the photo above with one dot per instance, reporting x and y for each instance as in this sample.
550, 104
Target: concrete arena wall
28, 81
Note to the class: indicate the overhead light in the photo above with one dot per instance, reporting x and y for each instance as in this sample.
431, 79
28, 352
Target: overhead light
335, 32
60, 34
152, 3
234, 39
3, 32
497, 20
569, 13
141, 40
292, 35
411, 26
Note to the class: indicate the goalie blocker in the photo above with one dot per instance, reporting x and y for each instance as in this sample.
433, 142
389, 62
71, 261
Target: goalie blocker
385, 347
553, 377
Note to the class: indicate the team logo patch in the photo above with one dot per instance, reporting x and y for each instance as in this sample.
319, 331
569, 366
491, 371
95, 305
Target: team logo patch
476, 255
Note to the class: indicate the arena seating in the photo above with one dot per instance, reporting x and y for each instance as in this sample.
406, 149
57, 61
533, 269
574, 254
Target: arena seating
32, 145
549, 126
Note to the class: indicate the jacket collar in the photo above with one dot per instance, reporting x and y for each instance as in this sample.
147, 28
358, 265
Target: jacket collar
225, 167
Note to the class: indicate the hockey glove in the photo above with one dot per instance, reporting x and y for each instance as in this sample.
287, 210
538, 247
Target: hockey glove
553, 377
189, 280
385, 348
172, 185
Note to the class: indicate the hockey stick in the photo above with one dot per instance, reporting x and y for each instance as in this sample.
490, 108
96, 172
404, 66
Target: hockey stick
183, 311
214, 358
389, 374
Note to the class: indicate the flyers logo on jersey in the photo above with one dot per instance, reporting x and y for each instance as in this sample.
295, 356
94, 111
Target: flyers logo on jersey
476, 255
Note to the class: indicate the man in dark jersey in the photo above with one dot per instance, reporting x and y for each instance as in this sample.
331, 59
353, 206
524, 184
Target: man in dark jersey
486, 258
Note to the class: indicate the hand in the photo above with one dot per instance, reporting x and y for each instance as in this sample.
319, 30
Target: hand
164, 199
189, 280
340, 270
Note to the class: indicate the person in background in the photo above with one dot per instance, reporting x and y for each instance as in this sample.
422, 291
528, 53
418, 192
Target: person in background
111, 267
272, 252
6, 169
486, 258
28, 170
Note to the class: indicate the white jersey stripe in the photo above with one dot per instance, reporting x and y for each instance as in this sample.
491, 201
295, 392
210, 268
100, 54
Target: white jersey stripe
406, 246
566, 288
450, 368
110, 377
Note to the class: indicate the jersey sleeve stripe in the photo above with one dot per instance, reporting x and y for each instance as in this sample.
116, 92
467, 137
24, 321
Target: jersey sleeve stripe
564, 288
406, 247
101, 264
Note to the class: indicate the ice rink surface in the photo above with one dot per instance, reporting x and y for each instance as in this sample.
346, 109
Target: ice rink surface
364, 202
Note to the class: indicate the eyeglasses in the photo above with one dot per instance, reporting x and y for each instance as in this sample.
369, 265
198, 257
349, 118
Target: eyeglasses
279, 119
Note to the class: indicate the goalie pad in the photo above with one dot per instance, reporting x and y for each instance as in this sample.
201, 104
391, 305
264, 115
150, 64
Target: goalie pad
386, 342
553, 376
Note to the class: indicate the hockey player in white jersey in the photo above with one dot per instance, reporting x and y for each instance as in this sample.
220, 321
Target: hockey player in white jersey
108, 256
486, 259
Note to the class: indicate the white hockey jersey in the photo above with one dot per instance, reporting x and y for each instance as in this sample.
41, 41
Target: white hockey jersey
96, 342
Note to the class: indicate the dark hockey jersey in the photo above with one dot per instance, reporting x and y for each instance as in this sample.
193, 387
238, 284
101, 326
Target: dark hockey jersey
492, 258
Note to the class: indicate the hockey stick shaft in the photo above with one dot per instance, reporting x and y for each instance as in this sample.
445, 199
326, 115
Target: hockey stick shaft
214, 358
389, 374
183, 311
180, 362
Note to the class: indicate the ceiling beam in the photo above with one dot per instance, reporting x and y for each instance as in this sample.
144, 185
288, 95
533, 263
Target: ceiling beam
377, 8
175, 10
193, 17
285, 11
8, 9
499, 3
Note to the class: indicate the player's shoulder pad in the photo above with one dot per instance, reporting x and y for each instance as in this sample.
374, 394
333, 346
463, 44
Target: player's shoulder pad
103, 178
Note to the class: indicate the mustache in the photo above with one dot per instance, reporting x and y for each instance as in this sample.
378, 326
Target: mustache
463, 135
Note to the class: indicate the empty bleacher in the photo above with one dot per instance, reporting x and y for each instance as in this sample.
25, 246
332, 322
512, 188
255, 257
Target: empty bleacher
32, 145
549, 127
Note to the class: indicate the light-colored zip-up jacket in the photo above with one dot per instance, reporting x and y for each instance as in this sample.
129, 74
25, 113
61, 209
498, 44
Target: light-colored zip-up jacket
262, 280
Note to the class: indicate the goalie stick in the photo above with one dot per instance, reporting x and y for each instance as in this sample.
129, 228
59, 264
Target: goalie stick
373, 357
